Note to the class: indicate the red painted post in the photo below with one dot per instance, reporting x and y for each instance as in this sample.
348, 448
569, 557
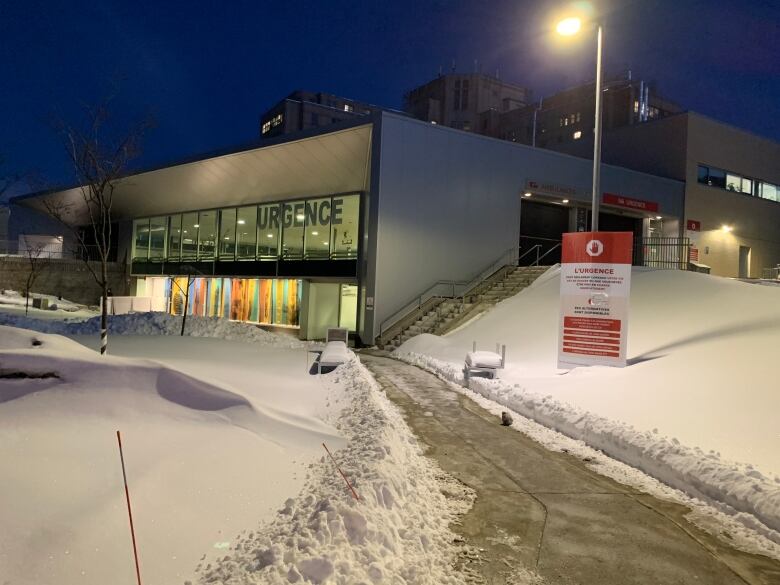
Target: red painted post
129, 510
349, 485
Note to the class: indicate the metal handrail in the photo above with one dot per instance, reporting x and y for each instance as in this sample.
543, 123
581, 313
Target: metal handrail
537, 248
539, 258
528, 251
447, 289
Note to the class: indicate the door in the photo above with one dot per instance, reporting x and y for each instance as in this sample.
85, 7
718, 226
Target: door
542, 225
744, 261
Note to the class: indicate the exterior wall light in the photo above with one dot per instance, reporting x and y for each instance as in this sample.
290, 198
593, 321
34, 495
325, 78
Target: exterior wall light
658, 217
565, 201
727, 228
526, 194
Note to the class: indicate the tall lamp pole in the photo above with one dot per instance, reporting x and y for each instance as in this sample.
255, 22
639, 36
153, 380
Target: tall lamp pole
569, 27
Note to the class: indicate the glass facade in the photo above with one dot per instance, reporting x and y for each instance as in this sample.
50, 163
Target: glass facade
260, 300
246, 233
325, 228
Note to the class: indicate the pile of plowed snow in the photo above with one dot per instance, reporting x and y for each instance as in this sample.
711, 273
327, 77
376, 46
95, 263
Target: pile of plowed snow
697, 406
201, 459
397, 532
155, 324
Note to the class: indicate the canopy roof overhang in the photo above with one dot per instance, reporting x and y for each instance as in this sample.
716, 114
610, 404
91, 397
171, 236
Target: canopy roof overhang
336, 161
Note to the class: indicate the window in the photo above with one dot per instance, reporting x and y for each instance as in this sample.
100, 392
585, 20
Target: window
246, 232
769, 191
272, 123
189, 236
456, 105
292, 230
174, 237
467, 126
577, 135
158, 236
227, 234
268, 231
317, 214
314, 119
579, 116
716, 178
464, 100
739, 184
141, 239
345, 217
207, 234
349, 108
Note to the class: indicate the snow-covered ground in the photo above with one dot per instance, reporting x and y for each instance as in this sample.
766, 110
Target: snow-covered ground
223, 445
697, 407
13, 302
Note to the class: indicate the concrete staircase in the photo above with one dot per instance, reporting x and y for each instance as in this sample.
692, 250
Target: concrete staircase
444, 315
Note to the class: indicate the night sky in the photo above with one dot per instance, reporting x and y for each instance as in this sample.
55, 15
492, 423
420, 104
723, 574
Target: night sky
207, 70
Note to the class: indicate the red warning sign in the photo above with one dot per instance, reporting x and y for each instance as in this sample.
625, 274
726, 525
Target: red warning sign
595, 284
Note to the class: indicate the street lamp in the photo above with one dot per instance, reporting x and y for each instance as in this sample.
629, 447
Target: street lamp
568, 27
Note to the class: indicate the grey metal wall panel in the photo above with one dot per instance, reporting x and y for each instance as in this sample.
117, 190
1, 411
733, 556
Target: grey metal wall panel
449, 203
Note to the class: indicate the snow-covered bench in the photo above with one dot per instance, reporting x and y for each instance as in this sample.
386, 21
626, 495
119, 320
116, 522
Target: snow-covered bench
336, 351
484, 362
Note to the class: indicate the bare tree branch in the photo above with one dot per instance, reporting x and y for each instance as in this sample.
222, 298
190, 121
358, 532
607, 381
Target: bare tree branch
100, 160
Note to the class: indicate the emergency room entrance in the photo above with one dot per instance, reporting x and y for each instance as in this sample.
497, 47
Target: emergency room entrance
542, 226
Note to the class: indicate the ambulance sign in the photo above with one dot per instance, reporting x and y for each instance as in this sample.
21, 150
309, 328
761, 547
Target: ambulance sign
595, 284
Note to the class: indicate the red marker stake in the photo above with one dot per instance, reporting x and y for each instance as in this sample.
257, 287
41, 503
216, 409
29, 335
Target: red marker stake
349, 485
129, 511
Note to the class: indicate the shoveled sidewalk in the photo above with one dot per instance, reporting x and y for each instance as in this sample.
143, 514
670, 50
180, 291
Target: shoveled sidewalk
546, 512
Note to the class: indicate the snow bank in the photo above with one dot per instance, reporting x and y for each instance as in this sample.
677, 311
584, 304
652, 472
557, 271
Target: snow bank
202, 458
14, 302
699, 393
397, 533
156, 324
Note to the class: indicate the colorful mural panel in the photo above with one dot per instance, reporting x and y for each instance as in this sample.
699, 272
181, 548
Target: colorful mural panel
258, 300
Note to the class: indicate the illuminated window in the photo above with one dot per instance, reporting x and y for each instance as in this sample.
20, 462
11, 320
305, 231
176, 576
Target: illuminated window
769, 191
317, 214
636, 106
158, 236
266, 127
246, 232
345, 217
577, 135
141, 239
174, 237
227, 234
349, 108
189, 236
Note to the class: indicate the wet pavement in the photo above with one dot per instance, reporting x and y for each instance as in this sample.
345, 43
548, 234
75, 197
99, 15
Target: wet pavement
547, 512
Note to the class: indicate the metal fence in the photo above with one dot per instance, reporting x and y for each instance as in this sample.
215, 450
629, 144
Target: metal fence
657, 252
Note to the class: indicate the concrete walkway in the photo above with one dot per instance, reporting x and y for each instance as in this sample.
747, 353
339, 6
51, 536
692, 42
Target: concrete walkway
547, 512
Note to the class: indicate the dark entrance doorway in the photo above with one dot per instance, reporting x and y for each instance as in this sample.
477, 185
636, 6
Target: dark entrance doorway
610, 222
542, 225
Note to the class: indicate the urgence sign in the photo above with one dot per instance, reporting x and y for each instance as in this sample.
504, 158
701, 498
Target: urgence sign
595, 285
